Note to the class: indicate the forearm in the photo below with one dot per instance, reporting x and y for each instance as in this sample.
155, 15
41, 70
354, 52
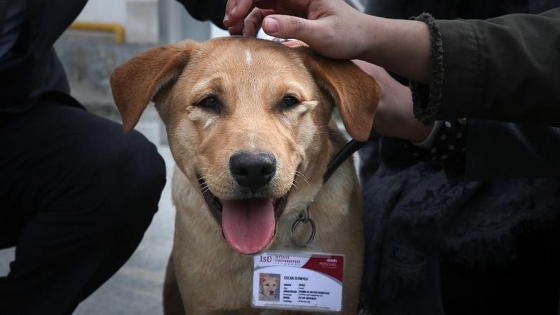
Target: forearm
409, 56
394, 116
336, 30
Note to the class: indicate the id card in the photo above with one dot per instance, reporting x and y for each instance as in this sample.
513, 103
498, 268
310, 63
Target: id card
302, 281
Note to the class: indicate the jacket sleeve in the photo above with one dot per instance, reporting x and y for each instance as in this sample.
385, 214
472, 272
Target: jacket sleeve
207, 10
505, 68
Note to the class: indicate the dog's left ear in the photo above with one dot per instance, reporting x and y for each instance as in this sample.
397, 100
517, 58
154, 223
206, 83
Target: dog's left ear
355, 92
136, 82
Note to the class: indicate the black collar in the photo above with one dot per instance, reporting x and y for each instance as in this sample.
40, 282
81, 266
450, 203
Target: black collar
349, 149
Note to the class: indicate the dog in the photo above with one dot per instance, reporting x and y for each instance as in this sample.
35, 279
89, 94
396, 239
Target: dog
250, 128
267, 287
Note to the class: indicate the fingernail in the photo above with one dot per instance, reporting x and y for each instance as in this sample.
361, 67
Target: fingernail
271, 25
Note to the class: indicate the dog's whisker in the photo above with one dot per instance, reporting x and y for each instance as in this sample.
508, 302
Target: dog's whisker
204, 188
299, 174
302, 176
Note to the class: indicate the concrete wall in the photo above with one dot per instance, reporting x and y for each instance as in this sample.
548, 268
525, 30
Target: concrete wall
111, 11
149, 21
89, 57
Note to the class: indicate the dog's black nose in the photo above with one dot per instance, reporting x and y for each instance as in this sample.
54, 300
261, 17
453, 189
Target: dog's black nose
252, 170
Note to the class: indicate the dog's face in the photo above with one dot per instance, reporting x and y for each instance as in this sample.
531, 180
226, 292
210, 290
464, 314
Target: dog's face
247, 122
268, 286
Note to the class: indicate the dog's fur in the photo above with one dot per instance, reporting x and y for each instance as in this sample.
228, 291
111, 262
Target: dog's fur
270, 105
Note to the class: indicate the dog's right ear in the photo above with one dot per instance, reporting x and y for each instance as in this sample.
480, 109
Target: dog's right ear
136, 82
356, 93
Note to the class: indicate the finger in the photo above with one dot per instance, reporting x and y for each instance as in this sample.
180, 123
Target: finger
237, 29
236, 11
230, 4
369, 68
284, 26
254, 21
294, 43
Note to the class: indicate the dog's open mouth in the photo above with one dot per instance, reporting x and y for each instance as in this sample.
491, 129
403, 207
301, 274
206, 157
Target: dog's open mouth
248, 225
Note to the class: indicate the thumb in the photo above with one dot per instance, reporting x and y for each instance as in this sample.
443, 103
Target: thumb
284, 26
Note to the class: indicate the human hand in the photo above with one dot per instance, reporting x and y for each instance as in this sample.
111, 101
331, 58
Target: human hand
335, 29
332, 28
394, 116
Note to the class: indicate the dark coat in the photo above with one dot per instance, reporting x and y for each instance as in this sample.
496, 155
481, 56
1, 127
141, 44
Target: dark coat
478, 79
415, 214
34, 68
477, 82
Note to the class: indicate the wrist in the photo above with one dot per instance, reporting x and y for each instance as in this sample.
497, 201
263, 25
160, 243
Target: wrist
395, 116
400, 46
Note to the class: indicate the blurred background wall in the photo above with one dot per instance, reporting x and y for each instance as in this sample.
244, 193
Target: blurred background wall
109, 32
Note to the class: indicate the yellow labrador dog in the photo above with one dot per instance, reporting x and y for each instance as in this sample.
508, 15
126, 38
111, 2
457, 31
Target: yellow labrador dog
250, 129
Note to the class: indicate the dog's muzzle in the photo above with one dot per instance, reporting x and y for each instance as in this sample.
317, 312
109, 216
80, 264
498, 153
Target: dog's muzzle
249, 223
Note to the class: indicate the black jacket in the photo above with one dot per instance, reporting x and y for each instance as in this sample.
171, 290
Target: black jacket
204, 10
495, 67
476, 82
33, 67
415, 215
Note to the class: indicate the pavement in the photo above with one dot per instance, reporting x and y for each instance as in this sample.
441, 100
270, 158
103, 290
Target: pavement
136, 288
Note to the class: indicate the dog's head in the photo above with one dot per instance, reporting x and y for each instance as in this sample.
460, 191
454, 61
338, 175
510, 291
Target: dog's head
247, 121
268, 285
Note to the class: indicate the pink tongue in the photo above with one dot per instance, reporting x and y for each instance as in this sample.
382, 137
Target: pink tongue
248, 224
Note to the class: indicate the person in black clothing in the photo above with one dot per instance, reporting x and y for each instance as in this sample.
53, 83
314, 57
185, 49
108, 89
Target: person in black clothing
76, 192
442, 243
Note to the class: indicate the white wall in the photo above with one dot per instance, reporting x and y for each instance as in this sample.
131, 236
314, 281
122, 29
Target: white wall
104, 11
140, 18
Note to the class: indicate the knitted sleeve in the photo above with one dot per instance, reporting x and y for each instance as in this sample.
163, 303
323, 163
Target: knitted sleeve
427, 98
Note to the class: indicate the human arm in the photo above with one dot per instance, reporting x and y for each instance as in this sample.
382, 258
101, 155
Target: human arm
506, 68
394, 116
336, 30
520, 48
30, 66
472, 149
492, 149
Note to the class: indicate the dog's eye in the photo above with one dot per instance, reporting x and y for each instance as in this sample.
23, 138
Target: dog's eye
289, 102
210, 103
